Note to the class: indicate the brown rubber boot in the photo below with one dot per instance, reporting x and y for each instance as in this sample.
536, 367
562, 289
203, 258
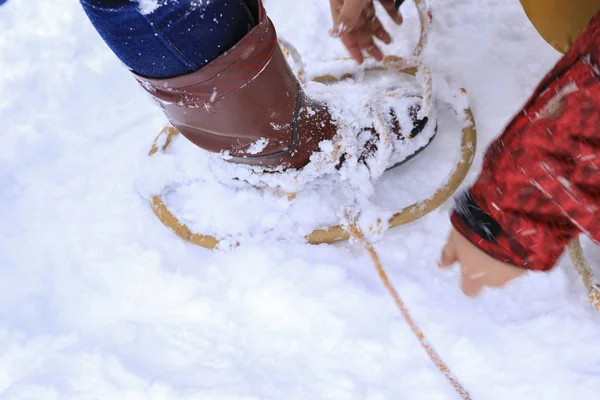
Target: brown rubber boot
246, 103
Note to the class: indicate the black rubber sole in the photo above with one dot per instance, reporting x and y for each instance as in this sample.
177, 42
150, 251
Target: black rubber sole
416, 153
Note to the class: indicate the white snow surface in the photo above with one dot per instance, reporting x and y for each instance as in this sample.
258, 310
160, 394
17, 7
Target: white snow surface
99, 301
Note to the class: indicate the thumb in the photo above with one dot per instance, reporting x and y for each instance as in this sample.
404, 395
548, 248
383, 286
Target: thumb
348, 16
470, 286
449, 255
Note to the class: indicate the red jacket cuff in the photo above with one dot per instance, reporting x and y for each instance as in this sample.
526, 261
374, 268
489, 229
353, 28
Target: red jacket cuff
479, 228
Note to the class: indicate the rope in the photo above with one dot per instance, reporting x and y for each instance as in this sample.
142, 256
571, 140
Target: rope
399, 63
585, 272
357, 235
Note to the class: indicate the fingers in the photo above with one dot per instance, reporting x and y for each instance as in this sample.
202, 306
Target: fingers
501, 274
478, 269
353, 48
364, 43
346, 16
392, 10
374, 52
379, 32
362, 39
383, 36
471, 280
471, 283
356, 24
493, 275
367, 43
449, 255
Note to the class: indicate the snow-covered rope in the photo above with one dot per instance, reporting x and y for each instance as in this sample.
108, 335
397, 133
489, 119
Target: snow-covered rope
424, 17
357, 235
585, 272
399, 64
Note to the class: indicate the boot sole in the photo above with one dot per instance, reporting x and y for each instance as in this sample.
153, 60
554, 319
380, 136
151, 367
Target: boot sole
416, 153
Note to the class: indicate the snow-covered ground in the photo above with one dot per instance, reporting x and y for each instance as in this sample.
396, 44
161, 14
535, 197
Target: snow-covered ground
99, 301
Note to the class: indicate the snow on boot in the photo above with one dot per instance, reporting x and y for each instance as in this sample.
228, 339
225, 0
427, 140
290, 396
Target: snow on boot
274, 155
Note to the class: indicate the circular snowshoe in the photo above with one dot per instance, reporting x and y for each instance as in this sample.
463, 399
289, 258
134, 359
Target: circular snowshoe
383, 118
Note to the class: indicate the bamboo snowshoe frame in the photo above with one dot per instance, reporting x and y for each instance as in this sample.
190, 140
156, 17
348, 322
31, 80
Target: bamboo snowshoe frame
334, 233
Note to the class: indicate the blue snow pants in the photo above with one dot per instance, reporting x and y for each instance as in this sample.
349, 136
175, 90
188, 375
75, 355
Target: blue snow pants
167, 38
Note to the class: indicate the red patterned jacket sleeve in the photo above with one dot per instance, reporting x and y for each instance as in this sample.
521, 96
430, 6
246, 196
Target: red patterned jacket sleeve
540, 181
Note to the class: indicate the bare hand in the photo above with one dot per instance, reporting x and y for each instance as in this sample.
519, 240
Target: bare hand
357, 25
477, 268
